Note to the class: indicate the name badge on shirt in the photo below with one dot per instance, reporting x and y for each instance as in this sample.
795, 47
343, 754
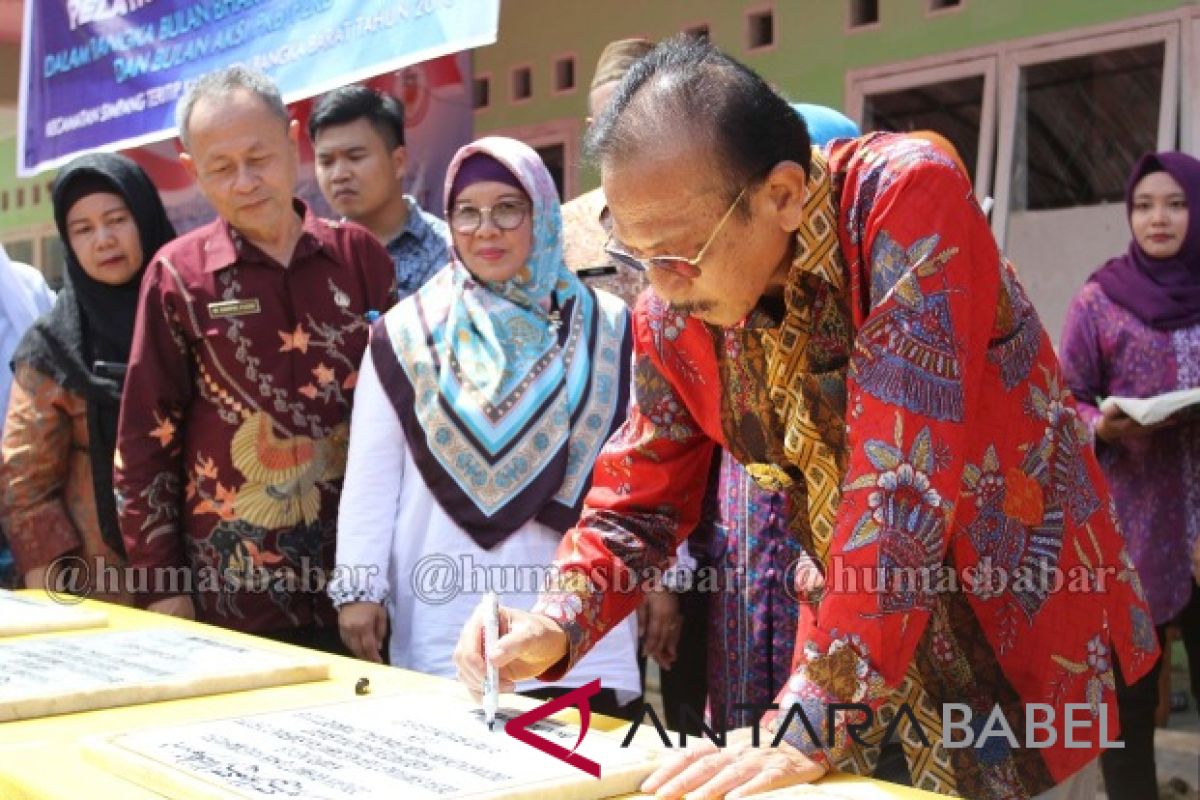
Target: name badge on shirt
583, 273
234, 308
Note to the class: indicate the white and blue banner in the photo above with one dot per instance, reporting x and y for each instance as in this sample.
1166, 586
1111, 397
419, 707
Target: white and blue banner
106, 74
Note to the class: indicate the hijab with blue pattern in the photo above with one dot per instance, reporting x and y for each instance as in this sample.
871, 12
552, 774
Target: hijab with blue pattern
508, 390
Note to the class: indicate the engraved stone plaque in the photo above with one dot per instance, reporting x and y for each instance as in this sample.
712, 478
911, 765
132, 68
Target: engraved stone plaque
80, 672
21, 614
401, 746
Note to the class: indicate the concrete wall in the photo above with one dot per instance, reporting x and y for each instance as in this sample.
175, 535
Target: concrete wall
812, 52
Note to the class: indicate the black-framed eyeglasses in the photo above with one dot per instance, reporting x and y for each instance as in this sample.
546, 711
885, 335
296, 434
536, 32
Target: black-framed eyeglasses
687, 267
507, 215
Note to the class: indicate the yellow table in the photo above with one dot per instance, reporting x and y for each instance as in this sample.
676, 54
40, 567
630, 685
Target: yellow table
43, 759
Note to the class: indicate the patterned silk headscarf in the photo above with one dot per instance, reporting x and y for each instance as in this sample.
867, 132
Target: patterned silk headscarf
508, 390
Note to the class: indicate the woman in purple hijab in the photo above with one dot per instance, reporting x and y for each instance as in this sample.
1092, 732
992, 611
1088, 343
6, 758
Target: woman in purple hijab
1133, 330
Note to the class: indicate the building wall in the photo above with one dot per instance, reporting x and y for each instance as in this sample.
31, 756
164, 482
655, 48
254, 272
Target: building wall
1056, 211
812, 53
26, 212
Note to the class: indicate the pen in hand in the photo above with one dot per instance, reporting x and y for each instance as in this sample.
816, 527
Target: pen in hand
491, 680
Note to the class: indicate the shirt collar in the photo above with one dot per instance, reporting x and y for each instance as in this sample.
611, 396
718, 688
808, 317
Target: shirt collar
226, 246
416, 227
817, 256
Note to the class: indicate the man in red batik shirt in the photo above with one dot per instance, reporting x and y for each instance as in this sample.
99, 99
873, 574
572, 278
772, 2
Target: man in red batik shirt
842, 322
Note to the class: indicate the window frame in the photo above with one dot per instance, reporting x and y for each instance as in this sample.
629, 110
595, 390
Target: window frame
512, 83
1189, 102
1065, 47
861, 84
558, 60
749, 15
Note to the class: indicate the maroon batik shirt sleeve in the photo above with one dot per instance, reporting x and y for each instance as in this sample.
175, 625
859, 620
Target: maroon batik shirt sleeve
148, 469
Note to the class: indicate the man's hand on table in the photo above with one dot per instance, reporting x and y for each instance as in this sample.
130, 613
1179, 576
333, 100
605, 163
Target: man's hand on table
43, 578
705, 772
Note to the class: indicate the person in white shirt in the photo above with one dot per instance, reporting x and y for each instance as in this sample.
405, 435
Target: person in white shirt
479, 411
24, 296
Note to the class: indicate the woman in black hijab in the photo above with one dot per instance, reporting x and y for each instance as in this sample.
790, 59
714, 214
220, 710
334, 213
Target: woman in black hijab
60, 434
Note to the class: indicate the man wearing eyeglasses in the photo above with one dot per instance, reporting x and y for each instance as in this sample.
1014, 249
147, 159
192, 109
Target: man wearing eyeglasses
842, 321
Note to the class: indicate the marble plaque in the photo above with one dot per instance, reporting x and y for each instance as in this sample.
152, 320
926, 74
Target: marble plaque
20, 614
400, 746
79, 672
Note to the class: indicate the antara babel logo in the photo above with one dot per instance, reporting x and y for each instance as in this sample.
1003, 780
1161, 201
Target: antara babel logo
1041, 725
518, 727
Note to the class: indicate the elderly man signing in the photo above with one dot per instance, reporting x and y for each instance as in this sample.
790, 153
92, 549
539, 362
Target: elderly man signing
842, 322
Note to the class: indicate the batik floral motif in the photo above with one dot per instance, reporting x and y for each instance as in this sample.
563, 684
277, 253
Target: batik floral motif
891, 261
571, 599
1096, 664
1018, 526
1056, 462
659, 403
1018, 334
906, 515
666, 325
841, 675
907, 354
876, 173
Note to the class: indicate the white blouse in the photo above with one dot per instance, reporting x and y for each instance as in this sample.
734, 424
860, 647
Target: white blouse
396, 545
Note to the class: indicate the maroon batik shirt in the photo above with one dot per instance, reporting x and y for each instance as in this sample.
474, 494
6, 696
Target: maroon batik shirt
235, 419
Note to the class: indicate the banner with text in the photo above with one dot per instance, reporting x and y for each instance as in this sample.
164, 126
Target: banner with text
106, 74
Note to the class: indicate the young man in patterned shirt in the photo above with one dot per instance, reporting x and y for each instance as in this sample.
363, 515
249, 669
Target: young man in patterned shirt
358, 135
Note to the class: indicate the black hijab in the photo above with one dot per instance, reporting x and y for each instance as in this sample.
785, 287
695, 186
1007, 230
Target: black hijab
93, 322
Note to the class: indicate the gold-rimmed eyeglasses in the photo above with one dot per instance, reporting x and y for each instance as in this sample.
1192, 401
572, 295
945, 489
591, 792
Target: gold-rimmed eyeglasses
687, 267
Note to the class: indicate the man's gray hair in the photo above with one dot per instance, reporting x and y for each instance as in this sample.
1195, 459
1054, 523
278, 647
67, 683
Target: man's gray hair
220, 83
